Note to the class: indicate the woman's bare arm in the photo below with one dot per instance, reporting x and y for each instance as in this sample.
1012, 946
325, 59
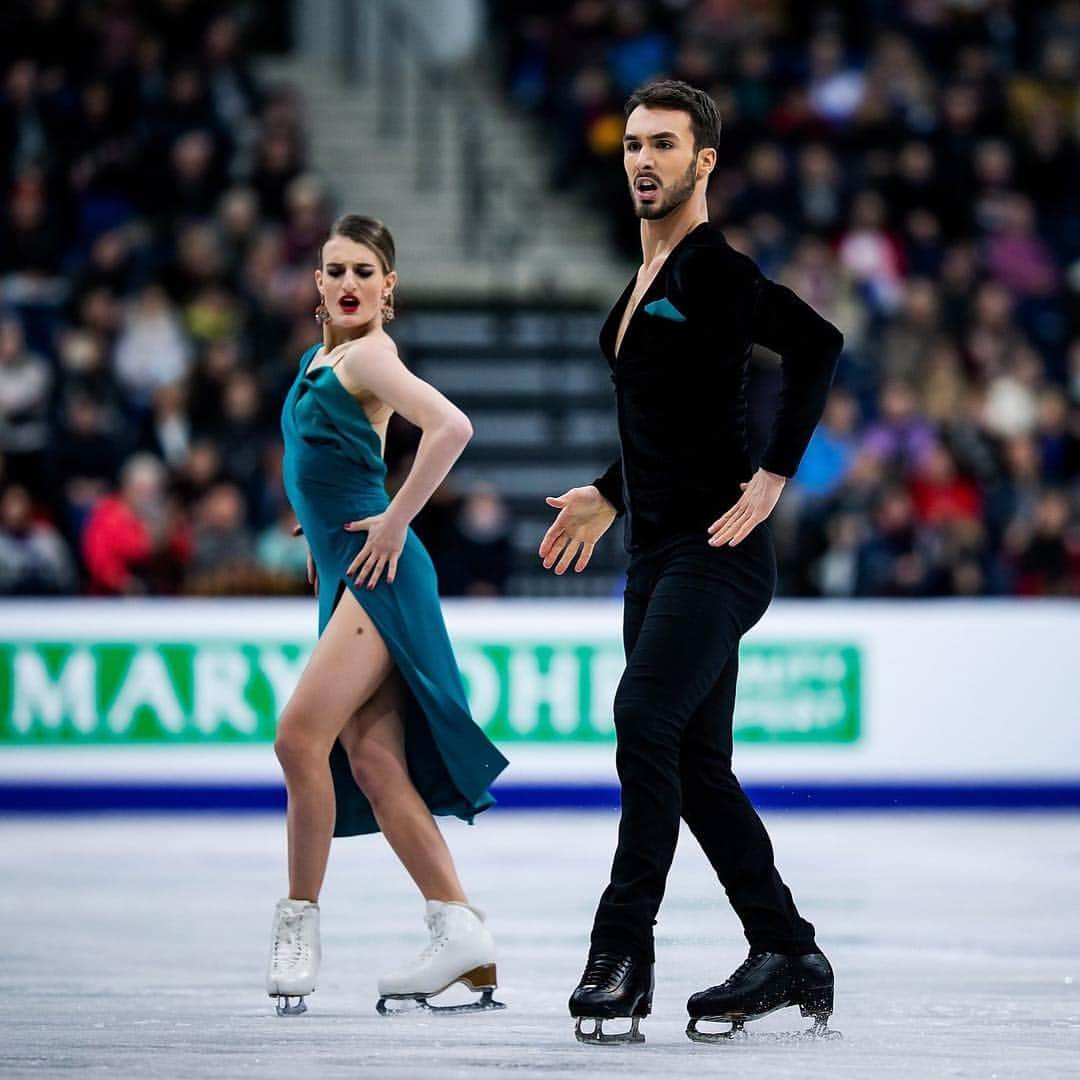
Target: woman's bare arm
375, 368
445, 429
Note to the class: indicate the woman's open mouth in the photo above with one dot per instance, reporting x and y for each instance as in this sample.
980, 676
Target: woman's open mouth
350, 305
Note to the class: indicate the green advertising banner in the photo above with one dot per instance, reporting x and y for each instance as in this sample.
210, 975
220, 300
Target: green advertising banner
70, 693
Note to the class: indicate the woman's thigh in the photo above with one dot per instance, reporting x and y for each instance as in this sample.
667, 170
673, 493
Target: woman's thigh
347, 667
377, 728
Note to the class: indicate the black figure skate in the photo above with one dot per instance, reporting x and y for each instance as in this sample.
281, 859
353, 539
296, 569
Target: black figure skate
614, 985
763, 983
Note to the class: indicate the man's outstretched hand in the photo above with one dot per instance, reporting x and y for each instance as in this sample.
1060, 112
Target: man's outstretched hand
756, 503
584, 516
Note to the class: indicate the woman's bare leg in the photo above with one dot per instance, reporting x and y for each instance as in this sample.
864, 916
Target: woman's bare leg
347, 667
374, 740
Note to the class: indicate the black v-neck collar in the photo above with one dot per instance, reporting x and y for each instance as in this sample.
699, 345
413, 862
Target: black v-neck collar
609, 332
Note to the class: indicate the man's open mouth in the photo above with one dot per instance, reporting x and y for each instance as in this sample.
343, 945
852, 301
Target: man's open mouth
646, 187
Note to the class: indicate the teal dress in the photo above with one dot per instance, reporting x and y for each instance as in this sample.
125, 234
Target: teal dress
334, 473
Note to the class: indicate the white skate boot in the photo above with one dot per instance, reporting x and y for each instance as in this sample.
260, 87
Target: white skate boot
461, 950
294, 955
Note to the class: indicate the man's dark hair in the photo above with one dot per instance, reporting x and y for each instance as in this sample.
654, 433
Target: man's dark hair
672, 94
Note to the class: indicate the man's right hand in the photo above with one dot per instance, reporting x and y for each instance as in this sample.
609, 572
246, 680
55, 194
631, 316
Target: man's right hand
584, 516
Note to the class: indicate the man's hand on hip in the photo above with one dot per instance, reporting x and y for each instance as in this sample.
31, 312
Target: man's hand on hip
756, 503
584, 516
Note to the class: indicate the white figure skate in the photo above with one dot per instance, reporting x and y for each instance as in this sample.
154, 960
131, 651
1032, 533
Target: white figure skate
461, 950
294, 955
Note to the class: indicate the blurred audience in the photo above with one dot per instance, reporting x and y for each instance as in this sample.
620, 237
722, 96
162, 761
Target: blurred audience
34, 560
143, 170
25, 389
477, 559
133, 542
912, 170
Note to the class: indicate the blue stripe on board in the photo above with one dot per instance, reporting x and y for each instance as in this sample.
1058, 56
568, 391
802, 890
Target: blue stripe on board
52, 798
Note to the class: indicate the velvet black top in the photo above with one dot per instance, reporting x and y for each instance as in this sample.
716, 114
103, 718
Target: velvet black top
680, 386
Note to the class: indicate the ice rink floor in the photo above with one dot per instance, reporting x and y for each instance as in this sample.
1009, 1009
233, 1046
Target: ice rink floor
136, 948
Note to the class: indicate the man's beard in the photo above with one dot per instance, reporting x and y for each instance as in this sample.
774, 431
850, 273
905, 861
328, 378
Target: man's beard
674, 198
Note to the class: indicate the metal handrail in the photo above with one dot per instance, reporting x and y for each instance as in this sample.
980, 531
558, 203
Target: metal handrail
353, 67
417, 98
442, 112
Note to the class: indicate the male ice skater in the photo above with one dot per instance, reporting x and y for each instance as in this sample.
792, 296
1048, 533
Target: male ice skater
702, 570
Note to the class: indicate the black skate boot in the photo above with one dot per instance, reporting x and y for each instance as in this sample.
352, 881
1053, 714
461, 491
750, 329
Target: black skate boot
763, 983
614, 985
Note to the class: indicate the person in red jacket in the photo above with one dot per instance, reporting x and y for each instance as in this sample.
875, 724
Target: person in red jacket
941, 493
130, 540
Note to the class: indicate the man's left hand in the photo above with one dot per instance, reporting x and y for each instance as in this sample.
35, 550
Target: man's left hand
756, 503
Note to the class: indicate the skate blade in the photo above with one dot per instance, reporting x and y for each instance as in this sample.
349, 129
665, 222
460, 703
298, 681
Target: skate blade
416, 1003
283, 1006
738, 1032
599, 1037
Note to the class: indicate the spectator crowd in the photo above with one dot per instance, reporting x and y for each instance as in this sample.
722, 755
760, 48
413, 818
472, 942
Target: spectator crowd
910, 168
159, 225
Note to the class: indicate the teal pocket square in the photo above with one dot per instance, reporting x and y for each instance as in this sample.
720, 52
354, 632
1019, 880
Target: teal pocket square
665, 309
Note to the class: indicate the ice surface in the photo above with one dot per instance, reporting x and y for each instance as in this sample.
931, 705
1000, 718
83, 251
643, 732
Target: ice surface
136, 947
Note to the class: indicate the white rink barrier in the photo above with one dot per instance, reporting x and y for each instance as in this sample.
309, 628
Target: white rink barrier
171, 704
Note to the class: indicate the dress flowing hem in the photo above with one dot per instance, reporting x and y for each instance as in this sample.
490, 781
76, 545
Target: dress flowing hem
358, 818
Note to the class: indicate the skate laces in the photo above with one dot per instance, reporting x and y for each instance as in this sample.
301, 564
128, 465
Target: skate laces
741, 970
290, 949
436, 924
605, 969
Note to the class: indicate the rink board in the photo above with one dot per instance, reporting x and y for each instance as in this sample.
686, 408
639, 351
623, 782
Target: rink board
171, 705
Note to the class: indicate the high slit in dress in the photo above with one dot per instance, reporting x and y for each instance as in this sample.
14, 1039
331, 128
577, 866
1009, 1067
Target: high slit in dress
334, 473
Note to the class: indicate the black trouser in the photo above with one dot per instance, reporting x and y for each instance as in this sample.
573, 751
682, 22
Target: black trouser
686, 607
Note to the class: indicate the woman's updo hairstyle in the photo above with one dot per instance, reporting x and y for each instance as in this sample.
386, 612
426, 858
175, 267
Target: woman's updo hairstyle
368, 231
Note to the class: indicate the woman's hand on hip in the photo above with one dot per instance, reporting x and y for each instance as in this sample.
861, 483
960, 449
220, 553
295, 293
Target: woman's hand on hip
756, 503
381, 550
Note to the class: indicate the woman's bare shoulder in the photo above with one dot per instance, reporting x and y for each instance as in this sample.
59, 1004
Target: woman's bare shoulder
367, 352
370, 346
366, 363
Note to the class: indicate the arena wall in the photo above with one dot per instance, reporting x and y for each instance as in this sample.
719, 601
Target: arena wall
171, 705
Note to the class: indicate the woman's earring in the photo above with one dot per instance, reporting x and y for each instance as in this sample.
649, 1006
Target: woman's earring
388, 307
322, 313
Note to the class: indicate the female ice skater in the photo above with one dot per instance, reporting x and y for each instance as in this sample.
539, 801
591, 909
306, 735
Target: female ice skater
377, 734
